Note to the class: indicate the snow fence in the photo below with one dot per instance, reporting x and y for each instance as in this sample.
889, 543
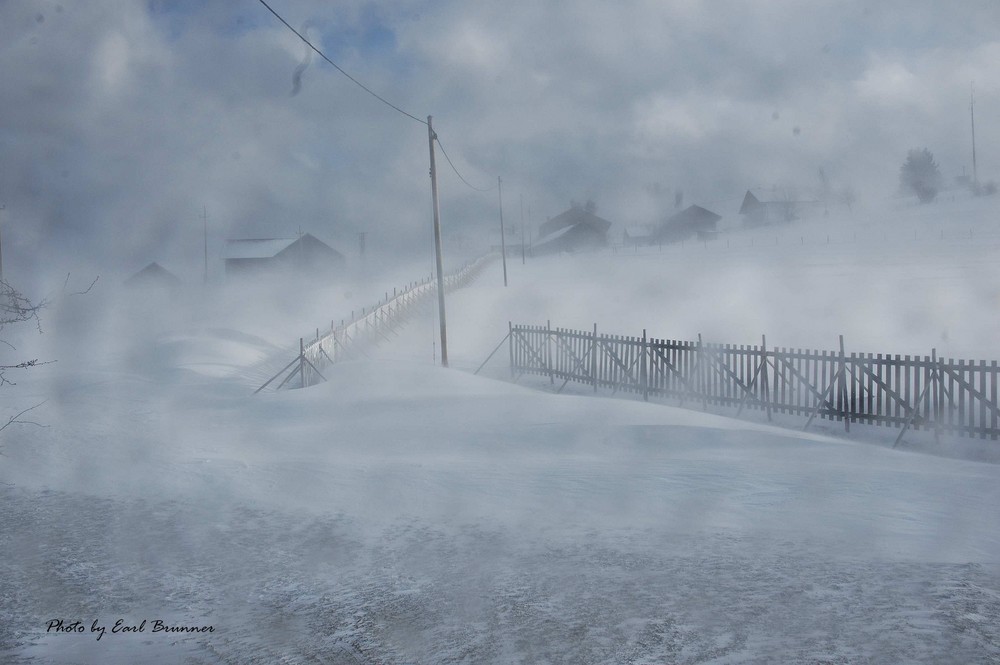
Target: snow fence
910, 392
371, 326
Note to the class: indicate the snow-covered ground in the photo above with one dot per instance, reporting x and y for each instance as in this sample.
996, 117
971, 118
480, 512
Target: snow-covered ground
404, 513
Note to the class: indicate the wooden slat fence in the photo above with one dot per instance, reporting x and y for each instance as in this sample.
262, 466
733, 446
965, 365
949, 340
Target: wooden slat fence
908, 392
371, 326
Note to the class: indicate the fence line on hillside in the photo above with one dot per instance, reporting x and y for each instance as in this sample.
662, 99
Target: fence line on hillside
918, 392
378, 323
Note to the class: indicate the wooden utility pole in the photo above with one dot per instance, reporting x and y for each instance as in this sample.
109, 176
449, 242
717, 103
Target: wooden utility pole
972, 114
522, 229
2, 208
503, 241
204, 219
431, 136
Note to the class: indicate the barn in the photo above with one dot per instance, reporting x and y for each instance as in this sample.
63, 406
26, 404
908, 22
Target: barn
575, 230
267, 256
758, 213
692, 221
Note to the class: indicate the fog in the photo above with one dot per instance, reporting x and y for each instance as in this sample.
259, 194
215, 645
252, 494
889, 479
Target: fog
404, 512
125, 122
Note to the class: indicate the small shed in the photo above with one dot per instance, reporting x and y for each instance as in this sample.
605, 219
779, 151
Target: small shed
259, 256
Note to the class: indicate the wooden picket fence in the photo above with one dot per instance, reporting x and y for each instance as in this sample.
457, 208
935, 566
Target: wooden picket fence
909, 392
373, 325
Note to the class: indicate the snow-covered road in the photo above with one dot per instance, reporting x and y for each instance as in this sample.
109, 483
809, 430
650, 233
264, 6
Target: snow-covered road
403, 513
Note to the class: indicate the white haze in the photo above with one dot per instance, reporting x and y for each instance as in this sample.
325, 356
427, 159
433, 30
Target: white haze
402, 512
125, 121
405, 513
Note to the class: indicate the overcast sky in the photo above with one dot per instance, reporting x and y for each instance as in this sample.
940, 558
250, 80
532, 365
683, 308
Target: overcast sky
122, 121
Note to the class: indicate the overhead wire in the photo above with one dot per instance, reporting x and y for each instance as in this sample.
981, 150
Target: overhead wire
338, 68
375, 95
470, 186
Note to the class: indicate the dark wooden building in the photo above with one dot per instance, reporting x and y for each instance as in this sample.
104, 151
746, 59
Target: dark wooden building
572, 231
303, 255
693, 221
758, 213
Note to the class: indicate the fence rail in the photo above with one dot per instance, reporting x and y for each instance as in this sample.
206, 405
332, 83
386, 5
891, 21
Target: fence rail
378, 323
909, 392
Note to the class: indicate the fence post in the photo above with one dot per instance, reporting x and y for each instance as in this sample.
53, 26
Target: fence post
702, 378
842, 389
510, 346
593, 359
995, 402
548, 351
302, 361
643, 373
920, 398
937, 397
765, 388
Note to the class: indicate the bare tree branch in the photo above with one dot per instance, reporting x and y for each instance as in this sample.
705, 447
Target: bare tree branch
4, 381
78, 293
17, 308
16, 418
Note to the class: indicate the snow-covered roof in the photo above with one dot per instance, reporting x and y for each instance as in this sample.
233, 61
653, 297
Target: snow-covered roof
576, 217
693, 215
255, 248
153, 273
555, 234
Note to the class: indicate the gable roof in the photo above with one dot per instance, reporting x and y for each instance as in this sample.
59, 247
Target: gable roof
750, 202
153, 273
266, 248
575, 217
554, 235
255, 248
693, 216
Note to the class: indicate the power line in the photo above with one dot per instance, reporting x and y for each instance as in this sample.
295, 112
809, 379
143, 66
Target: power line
445, 153
338, 68
373, 94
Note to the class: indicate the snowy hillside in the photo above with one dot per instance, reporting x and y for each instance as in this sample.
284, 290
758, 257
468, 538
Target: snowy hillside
404, 513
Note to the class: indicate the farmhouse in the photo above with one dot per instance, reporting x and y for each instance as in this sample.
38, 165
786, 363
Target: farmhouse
305, 254
572, 231
757, 213
692, 221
